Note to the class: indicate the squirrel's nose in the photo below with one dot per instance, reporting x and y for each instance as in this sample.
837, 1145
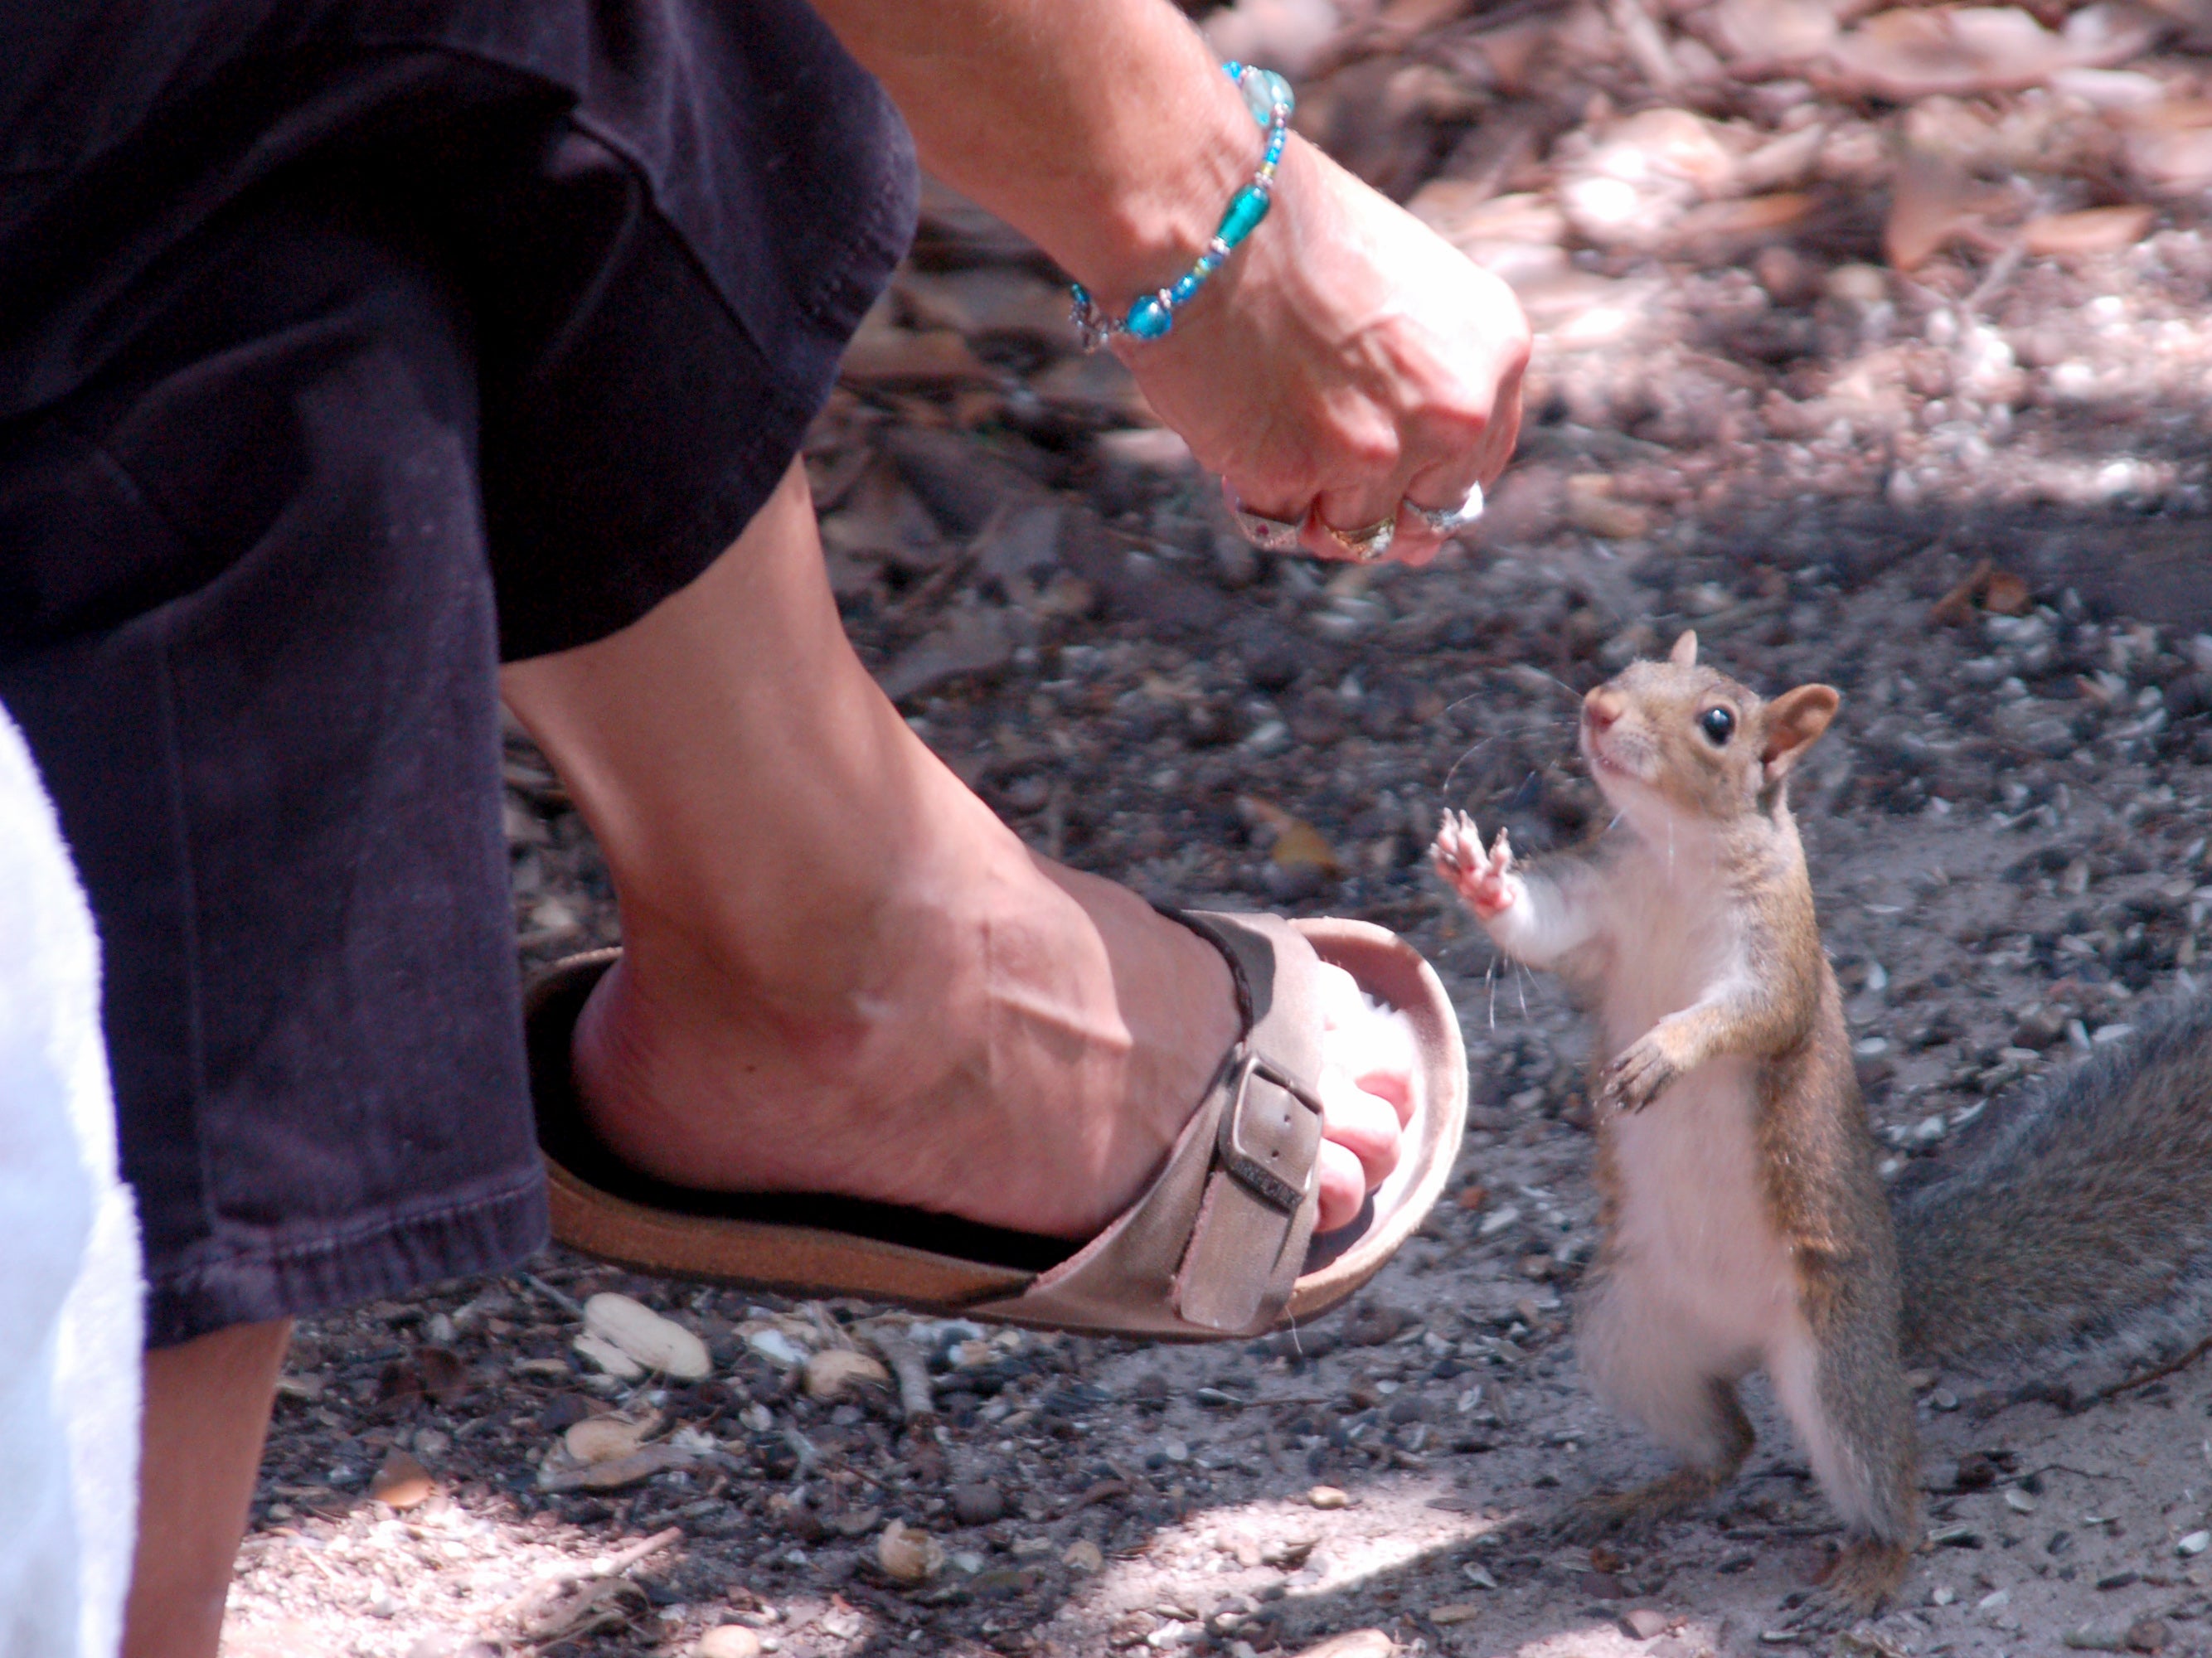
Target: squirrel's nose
1602, 706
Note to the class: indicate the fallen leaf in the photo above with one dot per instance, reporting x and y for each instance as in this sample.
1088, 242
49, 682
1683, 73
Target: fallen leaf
604, 1438
1762, 32
971, 641
1592, 506
883, 354
1931, 200
401, 1481
616, 1472
1913, 53
443, 1374
2094, 230
1298, 844
2006, 595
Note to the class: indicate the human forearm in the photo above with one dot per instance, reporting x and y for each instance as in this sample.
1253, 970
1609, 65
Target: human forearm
1102, 129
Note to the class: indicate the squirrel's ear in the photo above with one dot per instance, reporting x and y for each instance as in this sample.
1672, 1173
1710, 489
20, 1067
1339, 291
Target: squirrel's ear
1794, 720
1685, 653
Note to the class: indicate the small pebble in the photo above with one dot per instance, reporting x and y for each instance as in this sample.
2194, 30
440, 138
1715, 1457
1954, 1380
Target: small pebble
1643, 1623
1084, 1555
730, 1641
978, 1503
834, 1372
907, 1556
1353, 1643
2148, 1635
1328, 1497
2195, 1543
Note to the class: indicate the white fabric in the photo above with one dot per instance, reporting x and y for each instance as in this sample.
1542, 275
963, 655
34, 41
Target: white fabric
70, 1285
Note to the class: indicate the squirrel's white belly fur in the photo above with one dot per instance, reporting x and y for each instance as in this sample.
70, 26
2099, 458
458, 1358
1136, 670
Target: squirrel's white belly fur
1698, 1282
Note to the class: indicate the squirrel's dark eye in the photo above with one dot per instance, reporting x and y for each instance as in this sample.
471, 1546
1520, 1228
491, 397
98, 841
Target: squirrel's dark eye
1718, 725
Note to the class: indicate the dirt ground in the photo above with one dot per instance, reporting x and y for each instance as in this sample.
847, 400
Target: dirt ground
1887, 433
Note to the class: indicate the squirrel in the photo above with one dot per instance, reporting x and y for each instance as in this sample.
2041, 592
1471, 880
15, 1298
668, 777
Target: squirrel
1744, 1223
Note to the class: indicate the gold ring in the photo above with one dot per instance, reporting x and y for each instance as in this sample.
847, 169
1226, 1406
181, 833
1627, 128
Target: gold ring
1369, 544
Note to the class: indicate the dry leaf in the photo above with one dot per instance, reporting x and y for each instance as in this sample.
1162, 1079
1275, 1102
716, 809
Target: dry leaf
604, 1438
618, 1472
401, 1481
2006, 595
1912, 53
884, 353
2094, 230
1593, 507
1760, 32
1932, 201
443, 1375
1298, 844
1733, 226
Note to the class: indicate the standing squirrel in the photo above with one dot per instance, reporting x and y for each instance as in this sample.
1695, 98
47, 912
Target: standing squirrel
1744, 1225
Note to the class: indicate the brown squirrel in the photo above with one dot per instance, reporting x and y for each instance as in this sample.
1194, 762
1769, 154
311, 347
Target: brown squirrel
1744, 1225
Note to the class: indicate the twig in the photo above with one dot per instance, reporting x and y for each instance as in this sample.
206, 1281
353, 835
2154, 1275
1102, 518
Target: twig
913, 1373
932, 587
636, 1551
2148, 1377
563, 1302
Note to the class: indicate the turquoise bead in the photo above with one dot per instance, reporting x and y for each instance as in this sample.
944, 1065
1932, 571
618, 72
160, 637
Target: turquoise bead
1246, 209
1187, 288
1149, 318
1263, 90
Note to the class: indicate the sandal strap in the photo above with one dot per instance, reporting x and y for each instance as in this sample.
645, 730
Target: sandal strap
1215, 1245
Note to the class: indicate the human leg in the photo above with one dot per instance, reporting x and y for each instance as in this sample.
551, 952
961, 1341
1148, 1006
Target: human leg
841, 972
206, 1413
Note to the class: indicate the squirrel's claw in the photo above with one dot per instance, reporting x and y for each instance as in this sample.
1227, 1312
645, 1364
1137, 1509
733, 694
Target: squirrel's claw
1477, 876
1634, 1078
1862, 1581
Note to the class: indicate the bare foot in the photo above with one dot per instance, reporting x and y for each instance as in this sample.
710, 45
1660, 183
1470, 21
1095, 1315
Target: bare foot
1027, 1063
841, 971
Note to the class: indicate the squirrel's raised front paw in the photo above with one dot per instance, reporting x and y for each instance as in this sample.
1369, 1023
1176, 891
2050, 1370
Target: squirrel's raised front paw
1634, 1079
1483, 878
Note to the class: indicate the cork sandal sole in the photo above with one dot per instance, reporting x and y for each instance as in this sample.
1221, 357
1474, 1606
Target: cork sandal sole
818, 1245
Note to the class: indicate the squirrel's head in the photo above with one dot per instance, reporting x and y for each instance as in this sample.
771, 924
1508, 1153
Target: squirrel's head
1674, 742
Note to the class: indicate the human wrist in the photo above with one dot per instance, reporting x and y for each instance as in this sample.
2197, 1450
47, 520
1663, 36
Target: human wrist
1154, 303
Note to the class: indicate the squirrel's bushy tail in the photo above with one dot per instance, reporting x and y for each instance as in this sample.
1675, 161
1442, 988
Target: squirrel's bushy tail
2087, 1205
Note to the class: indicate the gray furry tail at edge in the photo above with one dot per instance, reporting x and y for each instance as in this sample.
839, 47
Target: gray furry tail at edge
2085, 1213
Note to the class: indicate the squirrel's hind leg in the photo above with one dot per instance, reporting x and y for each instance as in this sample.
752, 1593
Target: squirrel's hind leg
1840, 1382
1717, 1446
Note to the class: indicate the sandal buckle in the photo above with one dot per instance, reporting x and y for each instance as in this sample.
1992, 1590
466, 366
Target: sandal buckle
1248, 1163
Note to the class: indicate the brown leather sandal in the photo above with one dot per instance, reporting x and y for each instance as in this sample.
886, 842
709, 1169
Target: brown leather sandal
1220, 1245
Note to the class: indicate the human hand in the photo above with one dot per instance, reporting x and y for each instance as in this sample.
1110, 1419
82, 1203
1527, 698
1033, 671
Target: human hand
1346, 362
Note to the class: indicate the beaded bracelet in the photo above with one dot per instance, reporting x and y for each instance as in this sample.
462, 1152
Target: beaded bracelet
1268, 96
